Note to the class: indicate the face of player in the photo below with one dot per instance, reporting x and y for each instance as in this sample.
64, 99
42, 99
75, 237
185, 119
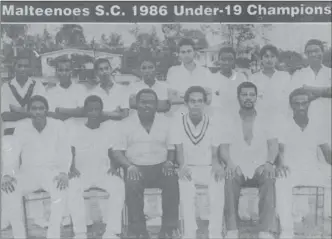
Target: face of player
186, 54
93, 110
148, 71
147, 105
247, 98
227, 61
38, 111
269, 60
300, 104
22, 69
63, 72
196, 104
104, 71
314, 54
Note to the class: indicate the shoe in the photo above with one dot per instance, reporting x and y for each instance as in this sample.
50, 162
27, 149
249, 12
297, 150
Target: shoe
169, 234
189, 235
265, 235
111, 236
145, 235
232, 235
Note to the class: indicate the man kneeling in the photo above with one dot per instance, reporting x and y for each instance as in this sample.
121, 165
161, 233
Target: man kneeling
91, 167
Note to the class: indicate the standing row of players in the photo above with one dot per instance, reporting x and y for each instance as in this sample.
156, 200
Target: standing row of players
198, 136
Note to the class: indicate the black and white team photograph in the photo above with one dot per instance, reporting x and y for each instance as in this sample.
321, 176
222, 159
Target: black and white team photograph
165, 130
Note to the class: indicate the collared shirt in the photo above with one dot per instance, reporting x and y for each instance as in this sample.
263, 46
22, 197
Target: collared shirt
250, 157
160, 87
143, 148
116, 96
48, 149
72, 97
273, 91
7, 97
91, 146
197, 141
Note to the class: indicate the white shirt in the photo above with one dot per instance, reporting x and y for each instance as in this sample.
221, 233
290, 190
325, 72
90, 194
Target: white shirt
144, 148
10, 154
197, 141
91, 147
273, 91
48, 149
118, 96
250, 157
72, 97
224, 94
7, 97
160, 87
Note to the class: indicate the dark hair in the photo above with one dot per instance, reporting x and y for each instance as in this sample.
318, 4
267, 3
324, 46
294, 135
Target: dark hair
93, 98
246, 84
270, 48
186, 42
99, 61
227, 49
195, 89
38, 98
314, 42
63, 60
298, 91
145, 91
23, 54
148, 58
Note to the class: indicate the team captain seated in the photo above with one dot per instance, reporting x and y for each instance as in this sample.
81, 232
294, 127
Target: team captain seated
143, 150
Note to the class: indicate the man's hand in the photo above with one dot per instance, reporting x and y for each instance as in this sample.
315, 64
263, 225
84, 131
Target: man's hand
268, 170
133, 173
113, 171
282, 171
62, 181
168, 168
230, 171
74, 173
184, 173
218, 172
7, 184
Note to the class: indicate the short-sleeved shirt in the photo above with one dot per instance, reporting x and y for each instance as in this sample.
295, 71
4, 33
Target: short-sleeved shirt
7, 97
250, 157
197, 141
48, 149
273, 91
91, 146
117, 96
143, 148
161, 88
72, 97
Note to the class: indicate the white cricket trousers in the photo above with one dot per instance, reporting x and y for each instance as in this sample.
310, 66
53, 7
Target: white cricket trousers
202, 175
113, 185
29, 181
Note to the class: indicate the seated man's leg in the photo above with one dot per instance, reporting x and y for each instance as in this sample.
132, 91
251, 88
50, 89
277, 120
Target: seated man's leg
232, 196
58, 203
135, 202
76, 206
114, 185
267, 203
217, 203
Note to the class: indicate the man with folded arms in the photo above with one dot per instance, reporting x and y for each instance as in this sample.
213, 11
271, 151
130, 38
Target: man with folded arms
250, 163
46, 155
197, 138
91, 167
145, 153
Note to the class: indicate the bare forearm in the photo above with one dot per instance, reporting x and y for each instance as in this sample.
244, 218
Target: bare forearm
14, 116
115, 115
171, 156
326, 150
273, 149
179, 155
120, 158
58, 116
224, 154
74, 112
163, 106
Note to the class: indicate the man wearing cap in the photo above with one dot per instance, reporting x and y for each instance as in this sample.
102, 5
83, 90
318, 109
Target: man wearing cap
45, 161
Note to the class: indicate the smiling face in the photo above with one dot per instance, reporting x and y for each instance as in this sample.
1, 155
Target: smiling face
147, 105
93, 110
148, 71
314, 54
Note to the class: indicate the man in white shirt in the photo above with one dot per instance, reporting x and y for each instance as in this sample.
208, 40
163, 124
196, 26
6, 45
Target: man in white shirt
197, 138
16, 94
226, 81
114, 96
189, 73
301, 137
145, 153
272, 84
91, 143
148, 80
45, 160
251, 163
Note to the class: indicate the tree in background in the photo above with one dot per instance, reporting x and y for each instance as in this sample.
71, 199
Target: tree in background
70, 35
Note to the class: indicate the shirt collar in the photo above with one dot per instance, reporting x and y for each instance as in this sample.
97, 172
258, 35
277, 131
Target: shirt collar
184, 68
17, 85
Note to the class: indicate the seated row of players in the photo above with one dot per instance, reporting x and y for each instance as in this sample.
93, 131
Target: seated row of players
224, 154
114, 100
